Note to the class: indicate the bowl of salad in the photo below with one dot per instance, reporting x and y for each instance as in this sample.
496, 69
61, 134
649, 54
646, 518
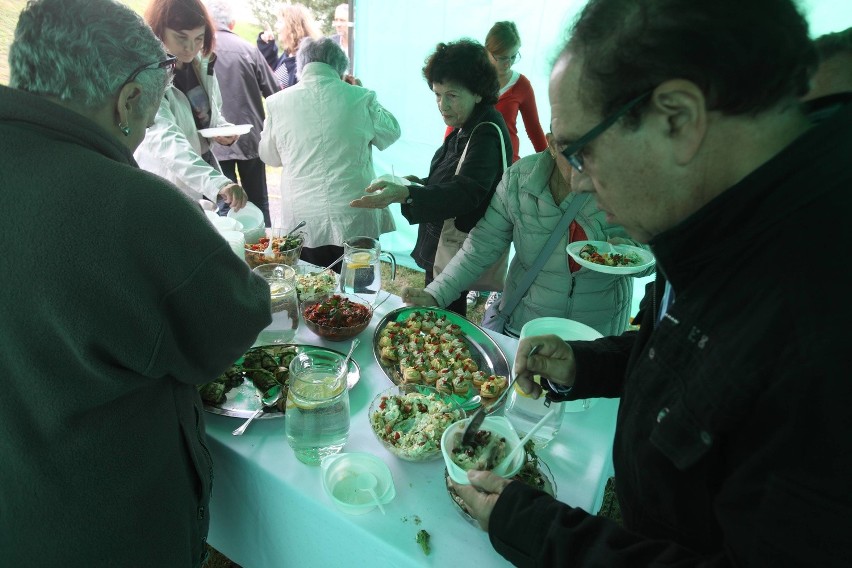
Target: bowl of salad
337, 317
286, 249
409, 420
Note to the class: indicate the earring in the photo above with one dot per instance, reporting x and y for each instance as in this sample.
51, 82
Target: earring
125, 129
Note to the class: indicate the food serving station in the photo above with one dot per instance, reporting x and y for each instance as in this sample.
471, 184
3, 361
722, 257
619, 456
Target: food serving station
269, 509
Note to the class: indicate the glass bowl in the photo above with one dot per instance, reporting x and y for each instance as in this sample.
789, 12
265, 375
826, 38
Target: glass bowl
314, 283
337, 317
284, 251
409, 420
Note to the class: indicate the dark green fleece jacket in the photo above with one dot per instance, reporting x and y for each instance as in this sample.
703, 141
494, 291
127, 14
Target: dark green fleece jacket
117, 297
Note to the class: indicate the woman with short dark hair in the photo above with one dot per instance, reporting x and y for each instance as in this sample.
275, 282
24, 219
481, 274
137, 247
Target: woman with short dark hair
465, 86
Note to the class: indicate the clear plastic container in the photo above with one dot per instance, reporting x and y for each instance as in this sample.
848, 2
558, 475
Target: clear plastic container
525, 412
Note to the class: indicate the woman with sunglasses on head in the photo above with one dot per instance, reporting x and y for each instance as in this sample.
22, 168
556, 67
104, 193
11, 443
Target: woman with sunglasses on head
104, 450
173, 148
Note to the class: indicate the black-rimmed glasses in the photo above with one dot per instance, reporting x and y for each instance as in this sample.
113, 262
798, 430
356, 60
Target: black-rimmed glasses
511, 59
574, 152
167, 63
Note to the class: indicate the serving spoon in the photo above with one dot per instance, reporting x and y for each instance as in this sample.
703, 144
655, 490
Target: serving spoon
501, 467
271, 397
479, 415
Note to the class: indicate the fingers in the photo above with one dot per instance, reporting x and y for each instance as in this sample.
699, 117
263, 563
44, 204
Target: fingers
418, 297
481, 495
554, 360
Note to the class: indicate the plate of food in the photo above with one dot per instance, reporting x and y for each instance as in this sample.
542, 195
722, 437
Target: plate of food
441, 349
237, 391
602, 256
534, 472
233, 130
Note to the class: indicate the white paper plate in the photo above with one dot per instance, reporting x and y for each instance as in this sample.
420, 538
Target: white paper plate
237, 129
648, 260
569, 330
392, 179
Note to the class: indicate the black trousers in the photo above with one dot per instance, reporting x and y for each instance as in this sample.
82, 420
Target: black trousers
323, 256
459, 305
252, 179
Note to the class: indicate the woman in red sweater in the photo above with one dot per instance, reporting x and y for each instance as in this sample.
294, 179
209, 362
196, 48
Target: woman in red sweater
516, 94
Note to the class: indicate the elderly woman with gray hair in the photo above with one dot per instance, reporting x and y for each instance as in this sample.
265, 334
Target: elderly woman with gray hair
106, 336
322, 131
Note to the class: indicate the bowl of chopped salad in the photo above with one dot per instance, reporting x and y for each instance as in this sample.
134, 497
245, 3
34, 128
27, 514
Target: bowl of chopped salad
337, 317
314, 282
286, 249
409, 420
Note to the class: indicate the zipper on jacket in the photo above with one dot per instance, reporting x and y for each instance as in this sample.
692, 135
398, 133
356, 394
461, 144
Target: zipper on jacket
204, 447
571, 288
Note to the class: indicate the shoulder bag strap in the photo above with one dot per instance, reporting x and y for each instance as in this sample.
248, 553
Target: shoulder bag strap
555, 236
502, 146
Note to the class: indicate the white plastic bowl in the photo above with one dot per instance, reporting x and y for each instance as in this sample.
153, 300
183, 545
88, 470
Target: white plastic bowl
251, 218
339, 473
498, 425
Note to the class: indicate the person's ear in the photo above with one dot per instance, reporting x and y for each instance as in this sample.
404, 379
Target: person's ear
681, 106
128, 102
477, 99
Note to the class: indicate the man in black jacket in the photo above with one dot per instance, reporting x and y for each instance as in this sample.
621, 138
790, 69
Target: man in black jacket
734, 437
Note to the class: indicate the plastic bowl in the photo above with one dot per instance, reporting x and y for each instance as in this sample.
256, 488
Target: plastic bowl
416, 436
339, 478
255, 253
251, 218
318, 308
497, 425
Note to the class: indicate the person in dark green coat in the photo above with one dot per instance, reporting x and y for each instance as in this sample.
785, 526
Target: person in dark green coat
119, 298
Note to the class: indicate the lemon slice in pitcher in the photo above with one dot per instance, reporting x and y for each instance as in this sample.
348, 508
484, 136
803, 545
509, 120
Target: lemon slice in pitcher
358, 260
310, 394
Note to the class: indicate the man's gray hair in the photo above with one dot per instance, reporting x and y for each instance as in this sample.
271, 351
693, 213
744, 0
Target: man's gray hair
221, 12
82, 51
322, 50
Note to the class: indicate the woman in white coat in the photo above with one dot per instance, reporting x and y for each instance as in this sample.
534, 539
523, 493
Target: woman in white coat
525, 209
173, 148
322, 131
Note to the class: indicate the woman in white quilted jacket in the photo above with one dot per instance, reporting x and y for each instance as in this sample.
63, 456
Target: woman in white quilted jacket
173, 148
525, 209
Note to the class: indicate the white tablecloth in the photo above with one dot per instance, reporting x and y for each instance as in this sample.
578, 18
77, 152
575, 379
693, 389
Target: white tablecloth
269, 509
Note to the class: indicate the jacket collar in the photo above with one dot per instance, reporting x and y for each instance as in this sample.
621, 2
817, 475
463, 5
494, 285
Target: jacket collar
60, 123
765, 198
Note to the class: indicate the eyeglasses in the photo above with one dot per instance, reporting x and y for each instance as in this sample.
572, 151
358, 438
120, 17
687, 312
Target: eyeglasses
167, 63
510, 59
574, 152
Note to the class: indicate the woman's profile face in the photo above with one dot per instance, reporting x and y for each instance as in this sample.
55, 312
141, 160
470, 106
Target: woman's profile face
455, 102
184, 44
503, 62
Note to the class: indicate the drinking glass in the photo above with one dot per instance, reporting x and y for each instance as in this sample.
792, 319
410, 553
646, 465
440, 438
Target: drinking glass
284, 302
361, 273
317, 416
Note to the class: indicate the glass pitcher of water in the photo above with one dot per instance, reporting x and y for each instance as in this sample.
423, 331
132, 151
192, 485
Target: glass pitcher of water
284, 302
317, 422
361, 272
